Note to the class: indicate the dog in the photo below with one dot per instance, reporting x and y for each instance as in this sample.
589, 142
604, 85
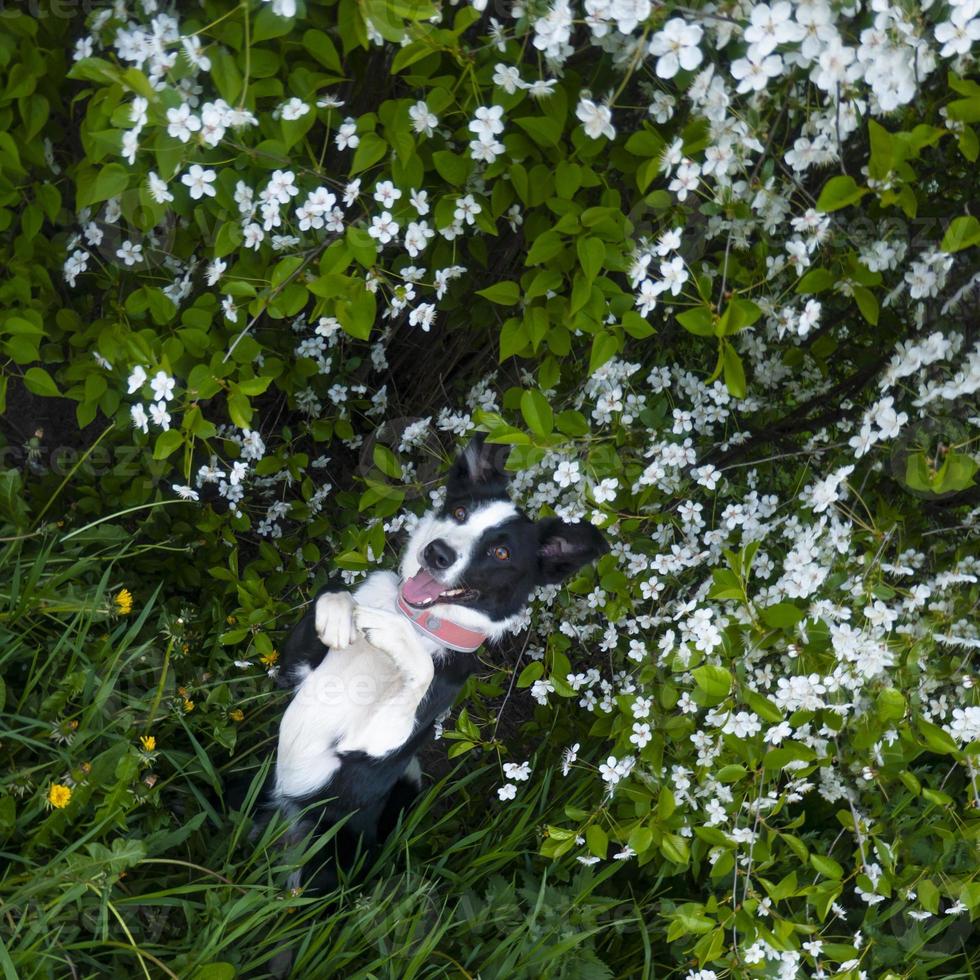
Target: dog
372, 671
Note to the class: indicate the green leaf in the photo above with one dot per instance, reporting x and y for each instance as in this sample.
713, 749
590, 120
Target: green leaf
970, 895
544, 130
955, 474
645, 143
357, 315
928, 895
40, 382
239, 409
505, 293
839, 192
698, 321
561, 833
739, 314
826, 866
537, 412
268, 24
410, 54
597, 840
763, 707
604, 347
715, 681
734, 372
452, 167
229, 237
225, 73
460, 748
731, 773
917, 475
532, 672
110, 181
218, 970
891, 704
568, 179
95, 70
167, 443
936, 738
254, 386
49, 197
675, 848
963, 232
641, 838
386, 461
513, 338
546, 246
816, 281
322, 48
285, 269
964, 110
636, 326
783, 615
867, 304
969, 144
362, 246
369, 151
591, 254
727, 585
544, 281
572, 423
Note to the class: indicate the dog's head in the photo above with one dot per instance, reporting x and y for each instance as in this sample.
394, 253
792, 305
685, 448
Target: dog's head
478, 557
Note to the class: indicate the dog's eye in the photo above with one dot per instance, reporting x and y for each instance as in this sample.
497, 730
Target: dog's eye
501, 553
459, 514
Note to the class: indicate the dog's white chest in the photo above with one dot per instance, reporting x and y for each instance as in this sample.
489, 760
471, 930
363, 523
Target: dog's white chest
359, 699
355, 701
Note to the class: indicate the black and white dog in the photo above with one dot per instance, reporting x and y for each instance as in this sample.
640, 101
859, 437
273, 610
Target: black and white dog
373, 670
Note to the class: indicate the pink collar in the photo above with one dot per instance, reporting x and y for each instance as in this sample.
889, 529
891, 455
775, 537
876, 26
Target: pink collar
444, 631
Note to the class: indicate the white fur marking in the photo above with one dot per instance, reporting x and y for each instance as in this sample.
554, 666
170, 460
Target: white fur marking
413, 771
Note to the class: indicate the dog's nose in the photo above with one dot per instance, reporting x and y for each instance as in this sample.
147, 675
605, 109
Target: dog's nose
438, 555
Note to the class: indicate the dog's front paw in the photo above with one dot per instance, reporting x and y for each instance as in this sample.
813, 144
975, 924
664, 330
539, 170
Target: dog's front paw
381, 628
391, 634
335, 620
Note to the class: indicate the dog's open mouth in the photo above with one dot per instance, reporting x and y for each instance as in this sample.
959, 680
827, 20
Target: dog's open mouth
423, 590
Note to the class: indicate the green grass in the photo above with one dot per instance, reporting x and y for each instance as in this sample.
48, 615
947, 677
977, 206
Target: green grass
132, 879
146, 873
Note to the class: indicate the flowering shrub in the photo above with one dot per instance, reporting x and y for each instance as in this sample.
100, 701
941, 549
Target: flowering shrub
706, 275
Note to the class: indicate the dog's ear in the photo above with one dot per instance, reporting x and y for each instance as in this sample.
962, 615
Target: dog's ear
564, 548
480, 464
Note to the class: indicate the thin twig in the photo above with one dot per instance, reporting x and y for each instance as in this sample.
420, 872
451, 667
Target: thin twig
510, 688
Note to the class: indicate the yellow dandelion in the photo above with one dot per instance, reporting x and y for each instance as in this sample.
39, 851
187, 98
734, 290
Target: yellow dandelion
124, 602
188, 705
148, 742
59, 796
236, 714
270, 658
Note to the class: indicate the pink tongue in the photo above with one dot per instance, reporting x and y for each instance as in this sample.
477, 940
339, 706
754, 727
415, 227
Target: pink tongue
421, 587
